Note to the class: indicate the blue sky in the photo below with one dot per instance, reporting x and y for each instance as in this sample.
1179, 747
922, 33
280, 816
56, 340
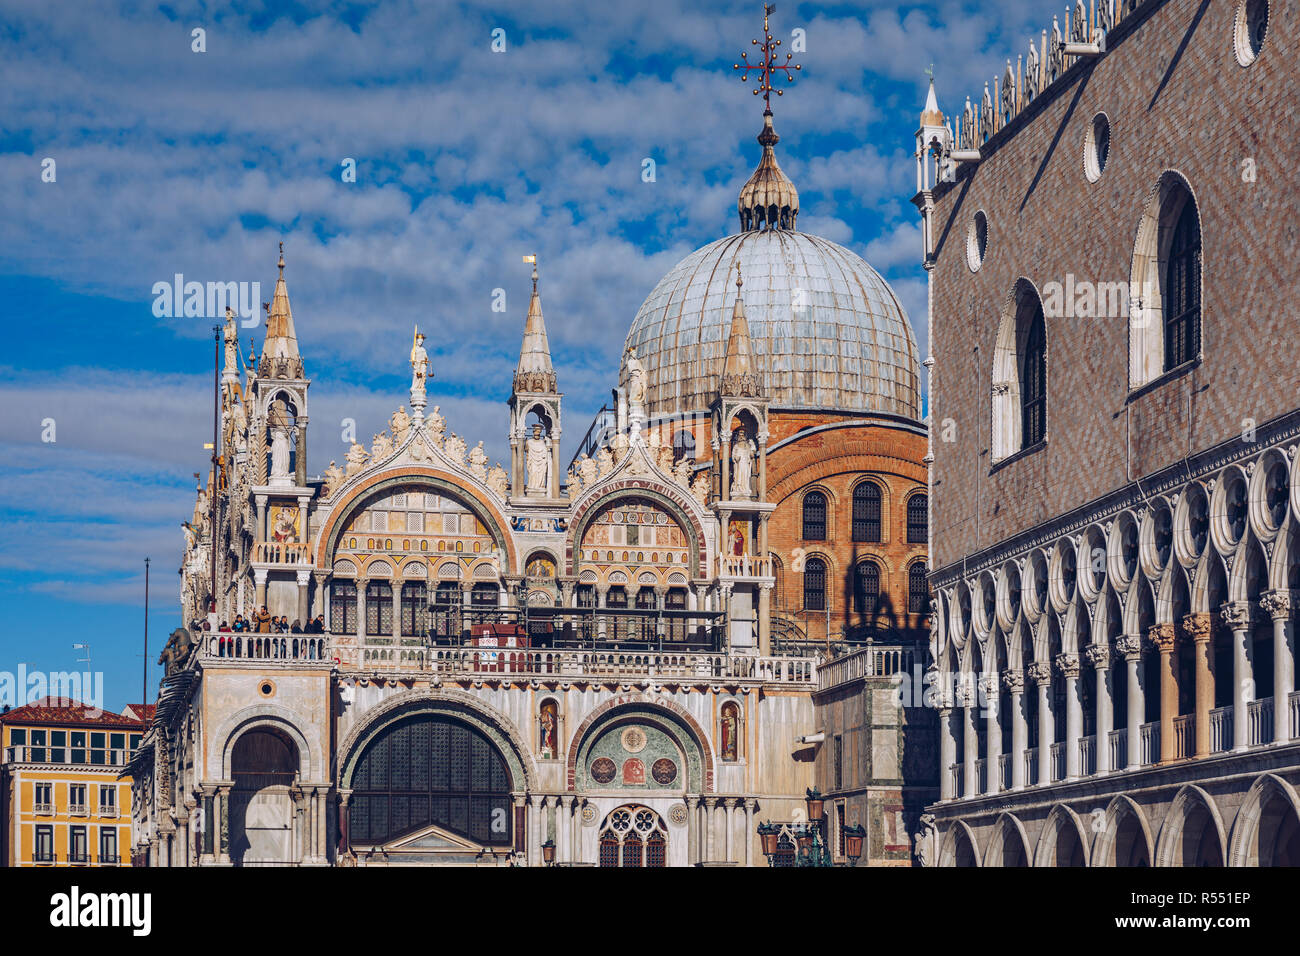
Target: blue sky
172, 161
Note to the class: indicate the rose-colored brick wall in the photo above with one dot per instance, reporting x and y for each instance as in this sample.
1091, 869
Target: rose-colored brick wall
1177, 99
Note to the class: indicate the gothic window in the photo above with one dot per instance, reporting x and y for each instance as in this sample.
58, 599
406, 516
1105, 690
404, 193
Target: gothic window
1020, 375
814, 584
1183, 291
1165, 331
617, 597
918, 519
866, 588
814, 516
633, 836
866, 512
379, 608
343, 607
918, 590
1033, 381
414, 598
431, 771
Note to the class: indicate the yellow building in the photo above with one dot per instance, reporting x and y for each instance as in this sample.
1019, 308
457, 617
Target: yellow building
61, 800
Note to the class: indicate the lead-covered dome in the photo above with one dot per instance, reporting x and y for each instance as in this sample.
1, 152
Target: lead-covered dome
828, 332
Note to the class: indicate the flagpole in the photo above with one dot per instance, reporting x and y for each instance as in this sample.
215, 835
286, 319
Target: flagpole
144, 699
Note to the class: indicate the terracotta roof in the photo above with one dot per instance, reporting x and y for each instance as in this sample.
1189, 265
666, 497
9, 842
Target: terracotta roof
65, 710
140, 711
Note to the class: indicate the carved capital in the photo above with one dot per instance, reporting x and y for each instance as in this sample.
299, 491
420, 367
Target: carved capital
1162, 636
989, 687
1040, 673
1235, 615
1130, 645
1014, 681
1197, 627
1068, 665
1276, 604
1098, 656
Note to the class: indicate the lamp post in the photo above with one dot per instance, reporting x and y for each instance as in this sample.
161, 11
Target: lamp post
548, 852
811, 846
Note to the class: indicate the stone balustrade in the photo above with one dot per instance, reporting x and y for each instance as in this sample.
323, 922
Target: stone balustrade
284, 553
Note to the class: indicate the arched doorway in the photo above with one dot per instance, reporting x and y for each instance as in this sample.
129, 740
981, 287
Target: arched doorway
633, 836
264, 766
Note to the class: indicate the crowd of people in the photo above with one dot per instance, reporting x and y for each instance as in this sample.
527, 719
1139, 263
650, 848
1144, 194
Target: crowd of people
262, 622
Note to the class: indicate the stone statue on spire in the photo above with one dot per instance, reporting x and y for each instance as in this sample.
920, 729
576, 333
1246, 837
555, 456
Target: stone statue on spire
419, 373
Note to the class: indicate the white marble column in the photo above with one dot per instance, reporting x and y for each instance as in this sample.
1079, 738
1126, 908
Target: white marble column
728, 823
1237, 617
710, 807
947, 753
1041, 674
1130, 645
1014, 681
749, 832
992, 733
562, 824
692, 830
970, 743
1068, 664
1277, 604
1099, 658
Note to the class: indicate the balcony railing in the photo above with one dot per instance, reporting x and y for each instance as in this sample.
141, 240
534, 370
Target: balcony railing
956, 777
1221, 730
1087, 756
874, 661
108, 812
981, 776
252, 646
1118, 749
281, 552
46, 755
648, 665
1004, 770
78, 810
110, 859
44, 809
1259, 715
1150, 743
744, 566
1184, 728
1031, 767
1058, 762
1295, 715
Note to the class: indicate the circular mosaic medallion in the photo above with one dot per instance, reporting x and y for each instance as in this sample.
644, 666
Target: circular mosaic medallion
677, 815
603, 770
634, 740
664, 771
588, 816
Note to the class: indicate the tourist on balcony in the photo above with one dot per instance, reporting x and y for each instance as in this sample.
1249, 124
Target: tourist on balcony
296, 627
225, 626
318, 625
262, 620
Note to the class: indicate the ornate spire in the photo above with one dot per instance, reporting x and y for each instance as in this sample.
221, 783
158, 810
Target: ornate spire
932, 115
535, 372
769, 200
739, 373
280, 358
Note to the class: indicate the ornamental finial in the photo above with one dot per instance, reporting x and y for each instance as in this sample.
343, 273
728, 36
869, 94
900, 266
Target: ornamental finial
767, 64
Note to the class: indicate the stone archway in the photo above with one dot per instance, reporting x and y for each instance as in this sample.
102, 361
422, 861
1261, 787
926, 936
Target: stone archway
1266, 831
264, 764
1063, 842
959, 847
1008, 844
1192, 834
1125, 840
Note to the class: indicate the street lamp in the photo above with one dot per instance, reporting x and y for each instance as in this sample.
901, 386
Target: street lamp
548, 852
810, 838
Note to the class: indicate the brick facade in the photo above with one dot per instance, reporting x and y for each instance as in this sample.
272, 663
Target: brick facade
1177, 99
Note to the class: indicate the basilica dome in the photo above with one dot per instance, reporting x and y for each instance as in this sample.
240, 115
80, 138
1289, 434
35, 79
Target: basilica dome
828, 332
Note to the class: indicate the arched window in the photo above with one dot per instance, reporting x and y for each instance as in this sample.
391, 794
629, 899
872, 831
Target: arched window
866, 587
633, 836
814, 584
431, 770
1165, 315
379, 608
1033, 381
1183, 291
413, 605
866, 512
1020, 375
918, 519
918, 590
814, 516
343, 607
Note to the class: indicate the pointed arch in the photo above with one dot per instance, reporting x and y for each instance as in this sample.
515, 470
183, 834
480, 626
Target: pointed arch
1063, 838
1125, 836
1270, 808
959, 846
1192, 821
1008, 844
1019, 379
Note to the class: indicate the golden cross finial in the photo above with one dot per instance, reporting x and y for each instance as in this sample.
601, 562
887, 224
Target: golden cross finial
767, 65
